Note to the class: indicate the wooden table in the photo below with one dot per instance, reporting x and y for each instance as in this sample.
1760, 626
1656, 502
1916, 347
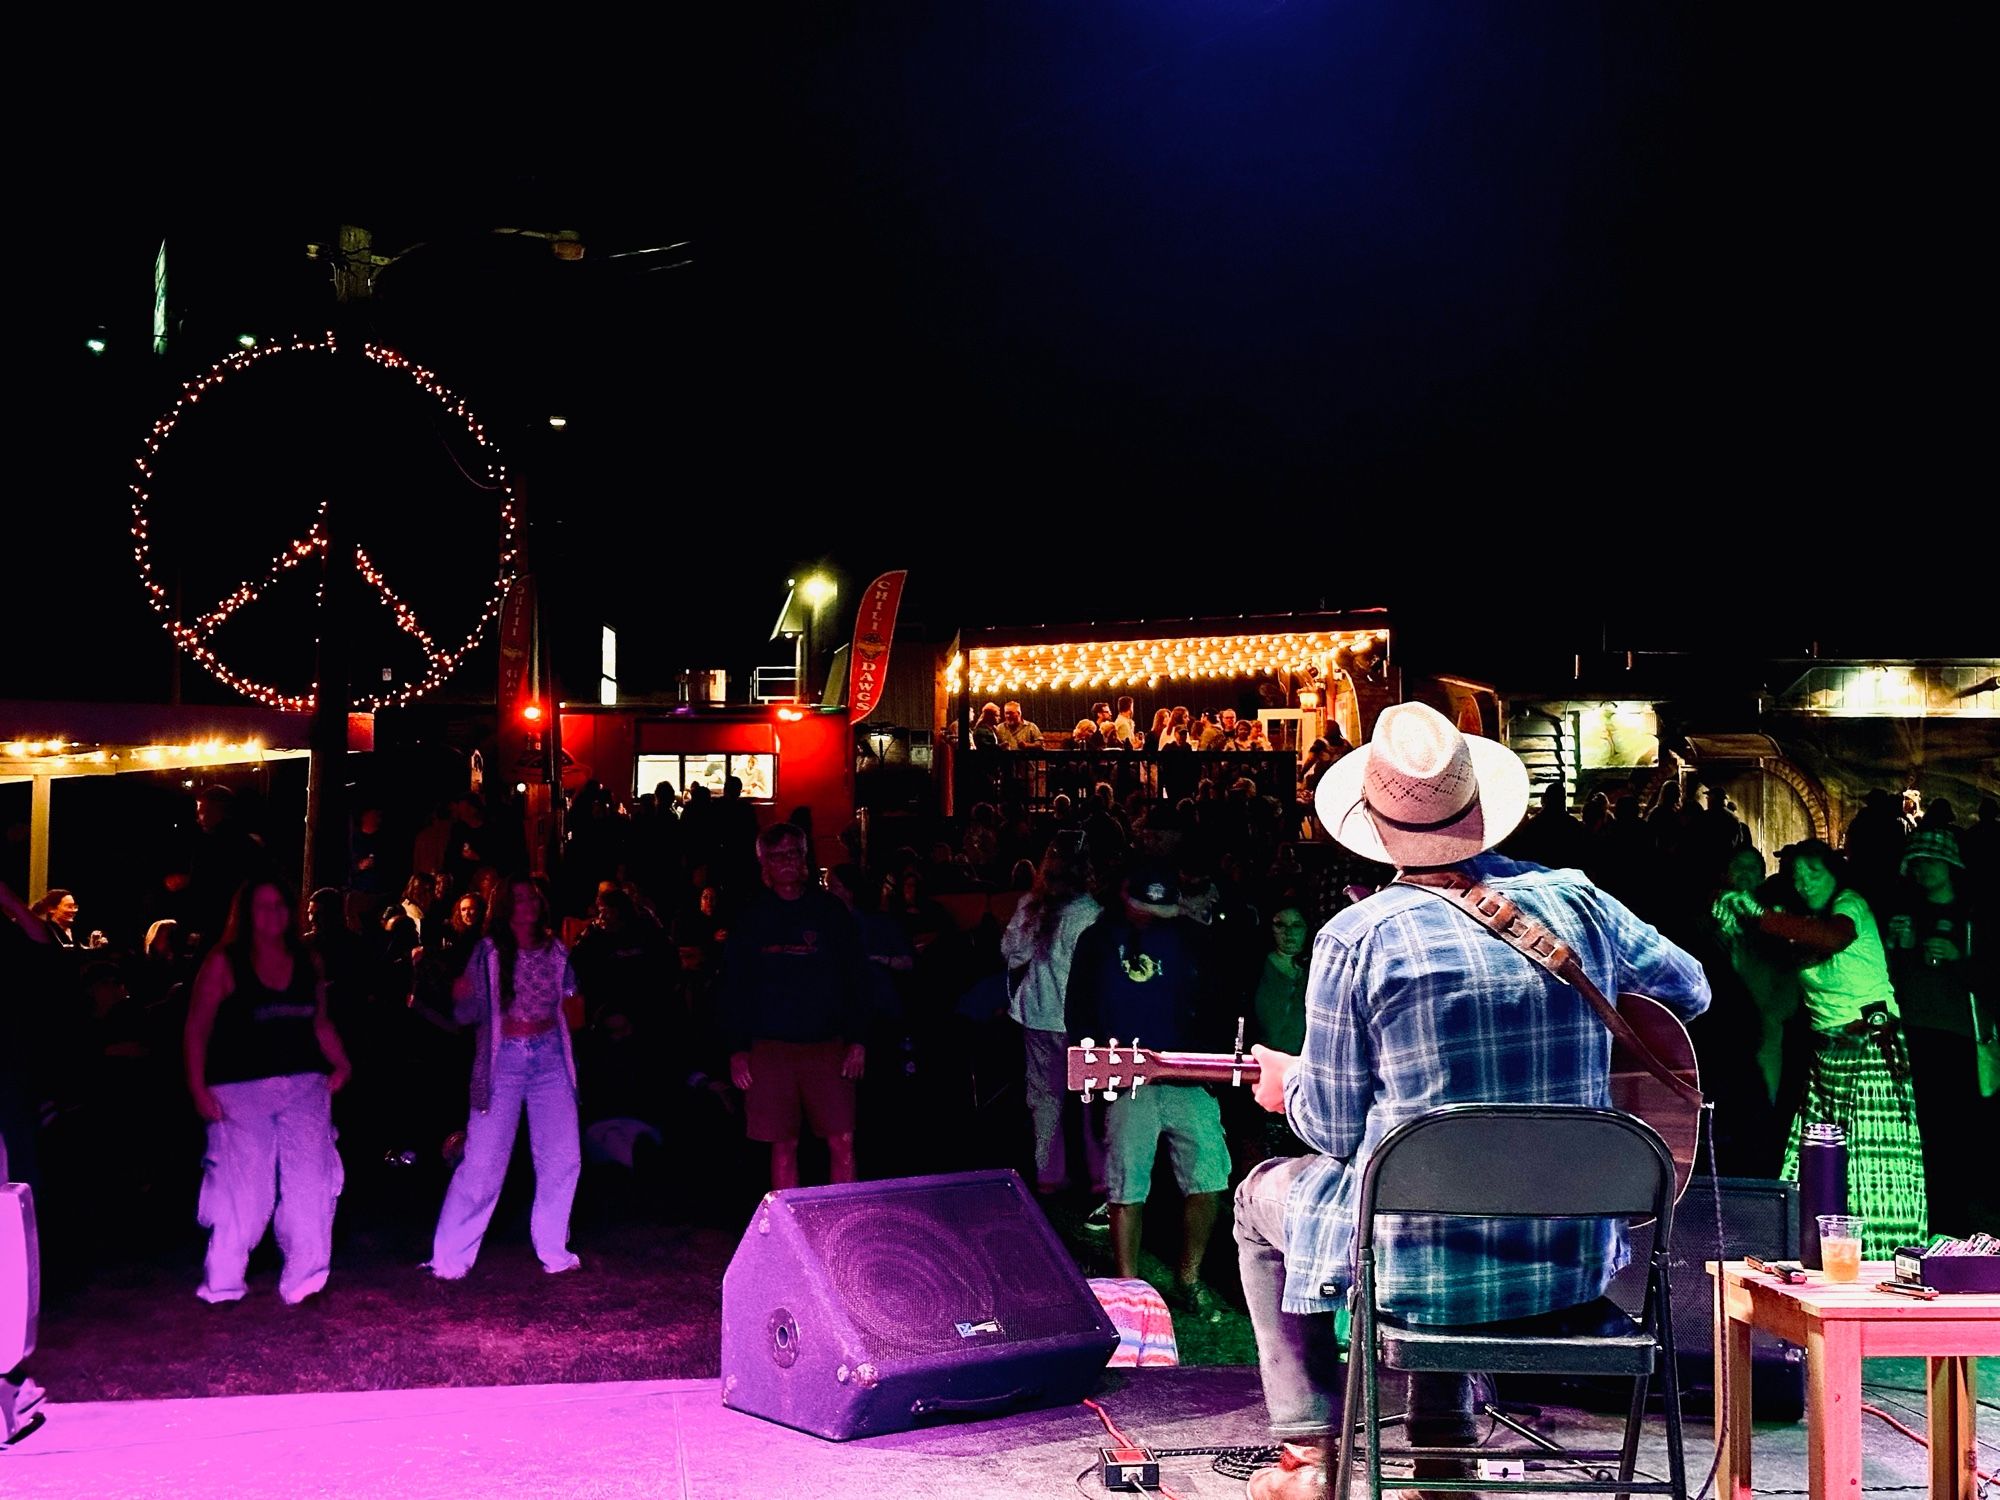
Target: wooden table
1840, 1324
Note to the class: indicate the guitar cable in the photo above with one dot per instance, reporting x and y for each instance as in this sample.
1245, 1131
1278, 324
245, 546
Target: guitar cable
1721, 1256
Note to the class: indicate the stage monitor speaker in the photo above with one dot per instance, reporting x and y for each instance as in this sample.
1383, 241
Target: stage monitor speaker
872, 1307
20, 1275
1759, 1217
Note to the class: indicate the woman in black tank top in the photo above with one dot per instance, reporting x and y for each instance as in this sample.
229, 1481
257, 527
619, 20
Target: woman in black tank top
263, 1064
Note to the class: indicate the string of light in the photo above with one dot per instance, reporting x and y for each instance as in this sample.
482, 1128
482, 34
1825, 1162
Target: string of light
1147, 663
62, 753
193, 637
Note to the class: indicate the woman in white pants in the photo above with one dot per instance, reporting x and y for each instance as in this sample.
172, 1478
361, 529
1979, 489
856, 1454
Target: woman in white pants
263, 1064
519, 990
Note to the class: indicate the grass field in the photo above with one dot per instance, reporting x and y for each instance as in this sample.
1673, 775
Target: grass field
646, 1305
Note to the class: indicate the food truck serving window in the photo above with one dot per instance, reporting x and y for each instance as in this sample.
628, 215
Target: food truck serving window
710, 768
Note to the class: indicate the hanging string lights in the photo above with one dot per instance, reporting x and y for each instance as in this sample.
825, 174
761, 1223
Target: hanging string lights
73, 757
1148, 663
193, 636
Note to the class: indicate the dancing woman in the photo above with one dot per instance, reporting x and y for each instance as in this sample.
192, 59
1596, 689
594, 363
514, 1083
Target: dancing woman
521, 994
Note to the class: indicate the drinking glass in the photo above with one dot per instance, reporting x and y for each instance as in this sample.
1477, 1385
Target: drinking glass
1840, 1246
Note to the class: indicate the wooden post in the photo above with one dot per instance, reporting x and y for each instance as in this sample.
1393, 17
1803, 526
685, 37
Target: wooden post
1732, 1375
38, 837
1833, 1408
1954, 1444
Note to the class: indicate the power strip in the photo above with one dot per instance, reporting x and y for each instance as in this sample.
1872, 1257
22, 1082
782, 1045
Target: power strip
1502, 1468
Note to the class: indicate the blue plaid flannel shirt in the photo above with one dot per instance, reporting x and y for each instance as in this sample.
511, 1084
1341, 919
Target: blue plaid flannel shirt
1412, 1005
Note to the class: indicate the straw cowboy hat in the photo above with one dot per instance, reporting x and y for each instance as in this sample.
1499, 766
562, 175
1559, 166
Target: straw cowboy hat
1421, 793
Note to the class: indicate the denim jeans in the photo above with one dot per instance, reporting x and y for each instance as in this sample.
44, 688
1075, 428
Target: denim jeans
1298, 1354
530, 1072
272, 1148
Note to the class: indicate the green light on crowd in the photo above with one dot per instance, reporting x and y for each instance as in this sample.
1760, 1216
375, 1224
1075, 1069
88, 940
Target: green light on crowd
95, 346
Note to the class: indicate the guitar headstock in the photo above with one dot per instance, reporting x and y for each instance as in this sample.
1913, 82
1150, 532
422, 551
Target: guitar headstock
1109, 1068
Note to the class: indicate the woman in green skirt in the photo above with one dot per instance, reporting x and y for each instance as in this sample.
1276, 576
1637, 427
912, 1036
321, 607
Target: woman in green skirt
1860, 1073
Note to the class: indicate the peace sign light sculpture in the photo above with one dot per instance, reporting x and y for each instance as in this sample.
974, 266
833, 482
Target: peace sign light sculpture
193, 636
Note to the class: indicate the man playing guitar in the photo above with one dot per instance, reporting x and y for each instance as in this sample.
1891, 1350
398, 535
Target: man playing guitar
1411, 1006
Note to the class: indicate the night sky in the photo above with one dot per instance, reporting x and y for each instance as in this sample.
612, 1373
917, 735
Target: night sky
1549, 325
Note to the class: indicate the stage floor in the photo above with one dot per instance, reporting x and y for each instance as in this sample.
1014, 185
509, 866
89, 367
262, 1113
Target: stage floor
673, 1440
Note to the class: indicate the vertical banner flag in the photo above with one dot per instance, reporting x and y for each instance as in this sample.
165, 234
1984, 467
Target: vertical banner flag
517, 644
519, 738
874, 630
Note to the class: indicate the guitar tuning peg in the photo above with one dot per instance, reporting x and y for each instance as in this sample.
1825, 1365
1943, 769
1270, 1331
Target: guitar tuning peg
1087, 1092
1087, 1042
1111, 1096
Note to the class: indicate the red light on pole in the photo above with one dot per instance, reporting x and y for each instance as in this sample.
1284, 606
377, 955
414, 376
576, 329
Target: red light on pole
532, 713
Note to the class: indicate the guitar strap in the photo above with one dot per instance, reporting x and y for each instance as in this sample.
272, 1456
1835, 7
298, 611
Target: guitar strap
1538, 945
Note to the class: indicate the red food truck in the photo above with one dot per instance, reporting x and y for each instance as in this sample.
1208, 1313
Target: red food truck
788, 755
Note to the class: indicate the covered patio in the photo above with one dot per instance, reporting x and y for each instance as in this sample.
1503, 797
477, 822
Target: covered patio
43, 743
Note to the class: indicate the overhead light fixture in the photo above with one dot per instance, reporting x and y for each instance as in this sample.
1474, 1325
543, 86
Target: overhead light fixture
247, 340
95, 346
558, 422
817, 589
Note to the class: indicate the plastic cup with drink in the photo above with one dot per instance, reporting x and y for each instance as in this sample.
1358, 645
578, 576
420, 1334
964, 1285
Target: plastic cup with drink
1840, 1246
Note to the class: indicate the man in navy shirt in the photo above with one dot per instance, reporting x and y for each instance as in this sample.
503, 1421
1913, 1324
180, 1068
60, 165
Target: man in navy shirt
1137, 977
794, 1011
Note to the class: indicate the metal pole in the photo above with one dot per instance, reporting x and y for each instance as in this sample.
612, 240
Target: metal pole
805, 672
325, 860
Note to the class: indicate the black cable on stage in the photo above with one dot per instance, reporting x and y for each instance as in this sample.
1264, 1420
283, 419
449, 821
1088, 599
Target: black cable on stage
1721, 1257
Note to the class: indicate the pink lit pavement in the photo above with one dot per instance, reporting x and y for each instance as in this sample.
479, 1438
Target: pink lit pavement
673, 1440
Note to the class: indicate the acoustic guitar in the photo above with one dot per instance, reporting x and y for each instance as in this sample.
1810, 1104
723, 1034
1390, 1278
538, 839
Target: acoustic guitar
1637, 1085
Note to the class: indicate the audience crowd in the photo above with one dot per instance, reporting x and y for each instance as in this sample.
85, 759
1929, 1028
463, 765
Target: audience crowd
776, 1008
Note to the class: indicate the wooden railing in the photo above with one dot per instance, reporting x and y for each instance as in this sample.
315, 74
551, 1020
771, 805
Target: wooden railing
1037, 777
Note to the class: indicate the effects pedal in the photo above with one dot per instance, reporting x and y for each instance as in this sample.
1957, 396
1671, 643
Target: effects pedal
1129, 1469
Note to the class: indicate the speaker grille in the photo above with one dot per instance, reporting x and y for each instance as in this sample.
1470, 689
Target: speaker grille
1759, 1217
957, 1266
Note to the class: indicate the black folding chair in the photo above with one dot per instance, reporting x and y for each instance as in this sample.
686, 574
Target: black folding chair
1518, 1161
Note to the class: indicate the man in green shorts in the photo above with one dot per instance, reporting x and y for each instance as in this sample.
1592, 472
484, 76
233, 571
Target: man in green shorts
1137, 977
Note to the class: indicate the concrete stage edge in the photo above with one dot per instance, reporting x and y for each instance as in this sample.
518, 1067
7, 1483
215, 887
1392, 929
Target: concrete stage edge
673, 1440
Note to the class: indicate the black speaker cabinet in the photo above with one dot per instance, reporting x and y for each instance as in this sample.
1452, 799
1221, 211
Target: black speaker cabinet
876, 1306
1759, 1217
